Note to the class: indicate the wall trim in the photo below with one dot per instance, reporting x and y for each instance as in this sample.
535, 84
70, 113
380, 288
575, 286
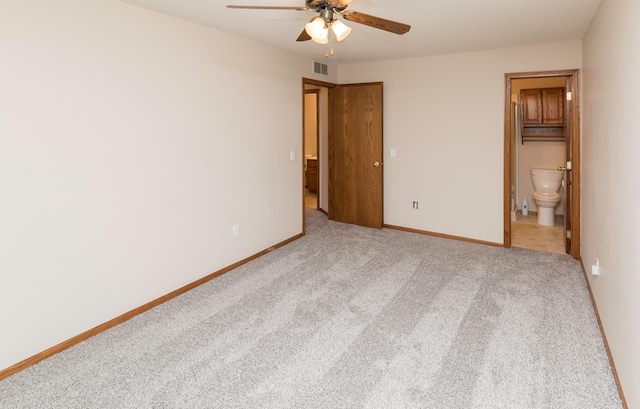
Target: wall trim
441, 235
5, 373
604, 338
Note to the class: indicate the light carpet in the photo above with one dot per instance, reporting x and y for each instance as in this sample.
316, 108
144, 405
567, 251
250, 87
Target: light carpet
346, 317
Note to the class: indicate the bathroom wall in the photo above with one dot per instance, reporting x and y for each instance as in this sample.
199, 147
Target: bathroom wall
537, 154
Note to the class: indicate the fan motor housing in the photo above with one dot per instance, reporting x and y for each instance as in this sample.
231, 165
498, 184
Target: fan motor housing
318, 5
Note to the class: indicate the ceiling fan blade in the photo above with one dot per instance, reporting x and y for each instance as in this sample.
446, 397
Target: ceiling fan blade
376, 22
304, 36
232, 6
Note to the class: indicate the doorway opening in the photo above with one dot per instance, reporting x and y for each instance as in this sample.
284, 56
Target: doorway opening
311, 138
535, 152
542, 133
315, 135
349, 152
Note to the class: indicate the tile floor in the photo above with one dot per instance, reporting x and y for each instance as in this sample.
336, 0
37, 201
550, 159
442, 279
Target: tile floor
527, 233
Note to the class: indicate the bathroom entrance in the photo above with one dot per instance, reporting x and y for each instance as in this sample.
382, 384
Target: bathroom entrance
542, 161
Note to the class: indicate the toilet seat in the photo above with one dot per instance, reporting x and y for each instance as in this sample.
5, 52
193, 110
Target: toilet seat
546, 196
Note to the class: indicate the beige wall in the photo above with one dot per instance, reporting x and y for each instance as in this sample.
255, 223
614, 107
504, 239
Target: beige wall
126, 156
130, 143
546, 154
444, 115
611, 180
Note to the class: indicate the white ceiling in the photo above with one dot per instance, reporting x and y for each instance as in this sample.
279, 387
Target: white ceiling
437, 26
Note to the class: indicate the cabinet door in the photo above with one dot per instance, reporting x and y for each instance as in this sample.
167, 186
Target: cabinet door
531, 100
553, 106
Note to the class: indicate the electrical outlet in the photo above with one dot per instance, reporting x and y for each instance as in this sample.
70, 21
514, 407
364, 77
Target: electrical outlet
415, 205
595, 268
236, 230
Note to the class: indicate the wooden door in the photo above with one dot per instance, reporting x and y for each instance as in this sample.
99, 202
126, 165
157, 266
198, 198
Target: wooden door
567, 108
553, 106
355, 154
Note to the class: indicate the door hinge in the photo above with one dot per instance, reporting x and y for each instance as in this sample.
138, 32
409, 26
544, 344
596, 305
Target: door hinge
569, 234
568, 165
569, 96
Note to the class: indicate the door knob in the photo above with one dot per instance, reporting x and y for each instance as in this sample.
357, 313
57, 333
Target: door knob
376, 164
562, 168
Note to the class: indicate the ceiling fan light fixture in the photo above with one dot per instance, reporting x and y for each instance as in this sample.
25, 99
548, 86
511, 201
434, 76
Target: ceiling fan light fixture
340, 29
317, 30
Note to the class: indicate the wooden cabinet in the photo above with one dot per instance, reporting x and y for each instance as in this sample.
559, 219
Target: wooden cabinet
543, 114
531, 100
553, 106
312, 175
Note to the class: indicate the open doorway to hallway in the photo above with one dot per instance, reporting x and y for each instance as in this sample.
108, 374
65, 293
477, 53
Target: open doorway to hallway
315, 144
311, 126
348, 190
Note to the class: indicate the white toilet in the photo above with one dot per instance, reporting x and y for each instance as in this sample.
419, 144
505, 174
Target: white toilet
546, 184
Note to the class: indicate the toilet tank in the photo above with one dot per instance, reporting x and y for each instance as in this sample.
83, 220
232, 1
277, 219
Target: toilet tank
550, 179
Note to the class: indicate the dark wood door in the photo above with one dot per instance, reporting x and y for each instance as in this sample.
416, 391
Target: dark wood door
355, 154
567, 108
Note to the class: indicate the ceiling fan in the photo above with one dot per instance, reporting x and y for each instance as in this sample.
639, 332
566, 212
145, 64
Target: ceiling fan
317, 29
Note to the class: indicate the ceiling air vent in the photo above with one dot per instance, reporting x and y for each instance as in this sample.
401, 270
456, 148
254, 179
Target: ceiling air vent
319, 68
